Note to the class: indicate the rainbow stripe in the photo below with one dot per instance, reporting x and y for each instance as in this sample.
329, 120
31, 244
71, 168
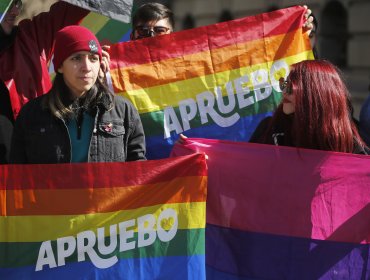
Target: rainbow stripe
139, 220
216, 81
108, 31
285, 213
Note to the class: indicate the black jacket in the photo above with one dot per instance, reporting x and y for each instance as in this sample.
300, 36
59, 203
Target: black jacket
280, 135
40, 137
6, 114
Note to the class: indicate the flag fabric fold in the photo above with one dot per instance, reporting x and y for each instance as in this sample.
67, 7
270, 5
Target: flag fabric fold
115, 9
138, 220
215, 81
284, 213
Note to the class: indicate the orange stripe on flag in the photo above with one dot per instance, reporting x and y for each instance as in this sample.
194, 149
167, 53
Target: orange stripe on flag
87, 201
209, 62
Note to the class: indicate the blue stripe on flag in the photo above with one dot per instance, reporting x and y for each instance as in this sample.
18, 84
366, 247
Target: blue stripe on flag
180, 267
237, 132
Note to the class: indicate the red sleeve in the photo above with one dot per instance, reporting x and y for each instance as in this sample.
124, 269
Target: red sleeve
43, 27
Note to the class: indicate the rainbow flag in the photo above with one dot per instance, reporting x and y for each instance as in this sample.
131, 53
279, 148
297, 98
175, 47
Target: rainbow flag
284, 213
216, 81
4, 6
107, 30
137, 220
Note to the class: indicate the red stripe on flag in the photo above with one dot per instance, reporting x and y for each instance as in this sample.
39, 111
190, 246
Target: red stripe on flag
207, 37
61, 176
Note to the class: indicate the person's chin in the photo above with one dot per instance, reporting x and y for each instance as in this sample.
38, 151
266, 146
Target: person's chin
287, 110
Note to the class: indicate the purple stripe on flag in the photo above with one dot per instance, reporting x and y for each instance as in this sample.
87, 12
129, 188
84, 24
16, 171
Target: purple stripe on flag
235, 254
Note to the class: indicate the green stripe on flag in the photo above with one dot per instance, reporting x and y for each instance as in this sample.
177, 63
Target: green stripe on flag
154, 120
20, 254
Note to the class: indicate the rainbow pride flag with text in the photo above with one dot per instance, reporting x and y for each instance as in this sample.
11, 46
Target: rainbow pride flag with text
216, 81
137, 220
284, 213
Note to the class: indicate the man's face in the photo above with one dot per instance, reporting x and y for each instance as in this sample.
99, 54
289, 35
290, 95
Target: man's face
151, 29
11, 16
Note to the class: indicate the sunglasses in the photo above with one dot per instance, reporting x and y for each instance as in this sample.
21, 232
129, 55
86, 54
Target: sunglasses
285, 86
147, 31
17, 3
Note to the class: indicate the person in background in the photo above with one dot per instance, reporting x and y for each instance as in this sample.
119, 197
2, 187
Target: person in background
25, 51
152, 19
314, 113
79, 120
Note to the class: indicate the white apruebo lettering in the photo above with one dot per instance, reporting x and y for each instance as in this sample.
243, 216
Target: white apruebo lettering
46, 256
225, 109
104, 249
262, 88
87, 248
125, 234
187, 115
63, 251
87, 244
146, 231
280, 67
242, 92
171, 122
206, 103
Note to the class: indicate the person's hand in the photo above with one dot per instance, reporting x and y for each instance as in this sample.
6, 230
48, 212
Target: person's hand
308, 25
104, 65
181, 140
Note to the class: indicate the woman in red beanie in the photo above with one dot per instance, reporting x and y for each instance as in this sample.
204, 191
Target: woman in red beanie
79, 120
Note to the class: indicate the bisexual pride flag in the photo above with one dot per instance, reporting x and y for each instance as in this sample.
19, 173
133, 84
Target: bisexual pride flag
137, 220
215, 81
285, 213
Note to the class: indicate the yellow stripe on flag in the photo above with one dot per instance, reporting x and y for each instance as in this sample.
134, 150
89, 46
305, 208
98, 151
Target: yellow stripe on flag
41, 228
157, 98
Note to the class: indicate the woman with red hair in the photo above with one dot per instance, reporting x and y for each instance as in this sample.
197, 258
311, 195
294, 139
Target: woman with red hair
315, 112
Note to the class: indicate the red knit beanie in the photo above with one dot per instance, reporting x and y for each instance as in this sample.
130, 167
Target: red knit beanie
73, 39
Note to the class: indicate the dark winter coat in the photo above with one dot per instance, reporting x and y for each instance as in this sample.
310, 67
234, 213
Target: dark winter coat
40, 137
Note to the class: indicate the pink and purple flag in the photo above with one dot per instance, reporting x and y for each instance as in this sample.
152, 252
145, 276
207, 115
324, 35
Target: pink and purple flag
284, 213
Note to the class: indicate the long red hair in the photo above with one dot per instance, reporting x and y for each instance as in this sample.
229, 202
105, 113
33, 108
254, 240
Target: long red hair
323, 113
